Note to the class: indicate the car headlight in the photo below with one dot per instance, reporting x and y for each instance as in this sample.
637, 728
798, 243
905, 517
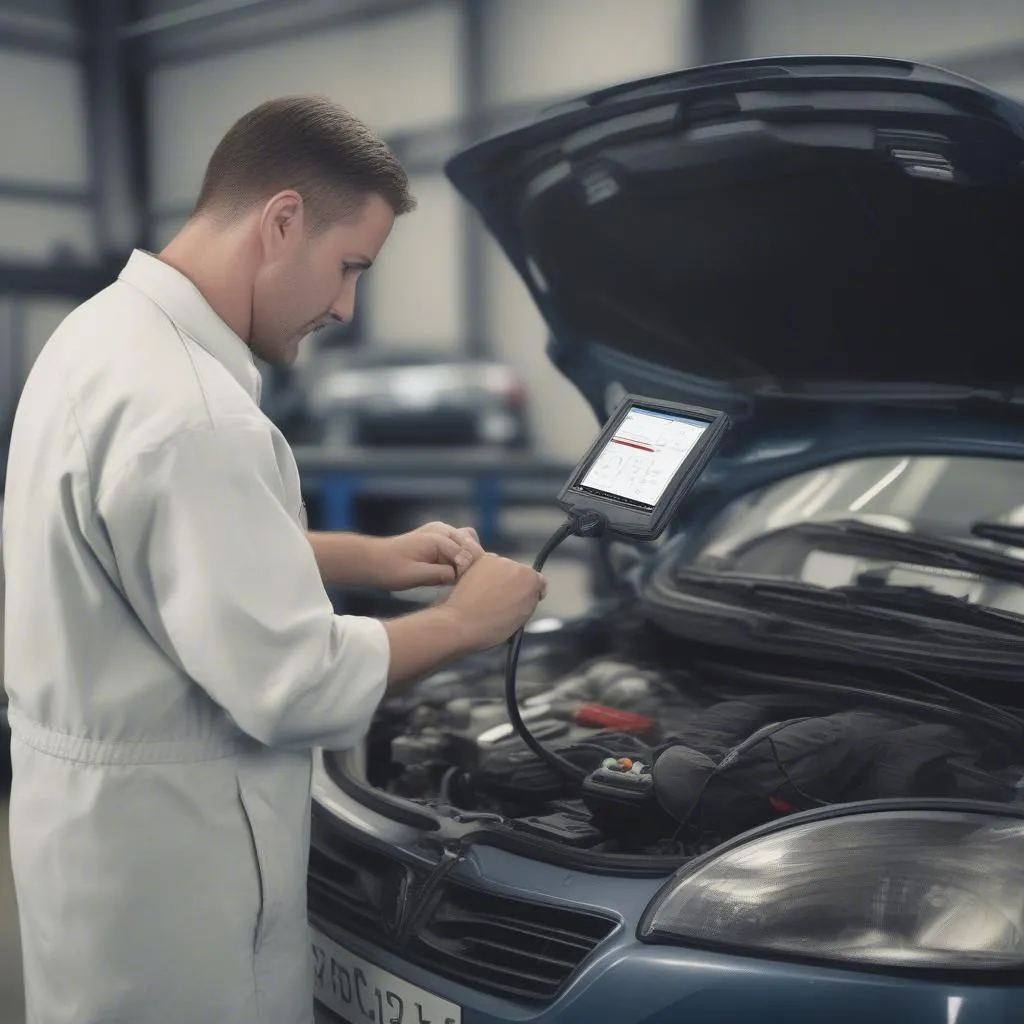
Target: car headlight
937, 889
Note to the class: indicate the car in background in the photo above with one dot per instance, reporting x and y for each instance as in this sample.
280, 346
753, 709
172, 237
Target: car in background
406, 397
417, 403
796, 729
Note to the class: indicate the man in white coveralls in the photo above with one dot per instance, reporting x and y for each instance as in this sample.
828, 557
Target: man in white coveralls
171, 653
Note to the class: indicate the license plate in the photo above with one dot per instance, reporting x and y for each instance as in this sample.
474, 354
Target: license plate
363, 993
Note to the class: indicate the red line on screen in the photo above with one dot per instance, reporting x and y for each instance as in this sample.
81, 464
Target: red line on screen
633, 444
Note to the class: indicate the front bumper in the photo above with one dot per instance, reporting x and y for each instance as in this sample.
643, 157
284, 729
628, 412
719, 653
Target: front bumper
624, 981
630, 983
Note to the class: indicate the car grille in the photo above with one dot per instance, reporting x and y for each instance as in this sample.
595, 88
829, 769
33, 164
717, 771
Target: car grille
506, 946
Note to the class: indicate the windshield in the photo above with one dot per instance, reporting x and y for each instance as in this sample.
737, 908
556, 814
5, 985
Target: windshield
941, 497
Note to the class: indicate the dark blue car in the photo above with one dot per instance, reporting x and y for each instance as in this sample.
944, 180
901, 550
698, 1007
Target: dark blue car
820, 670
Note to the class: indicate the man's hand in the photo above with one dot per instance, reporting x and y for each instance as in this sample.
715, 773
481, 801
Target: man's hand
495, 598
434, 555
489, 603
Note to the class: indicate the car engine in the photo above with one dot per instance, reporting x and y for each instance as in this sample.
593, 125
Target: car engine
676, 761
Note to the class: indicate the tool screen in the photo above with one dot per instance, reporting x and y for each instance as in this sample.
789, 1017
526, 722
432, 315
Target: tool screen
648, 455
643, 456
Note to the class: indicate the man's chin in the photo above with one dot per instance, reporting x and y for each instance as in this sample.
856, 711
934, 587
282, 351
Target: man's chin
280, 355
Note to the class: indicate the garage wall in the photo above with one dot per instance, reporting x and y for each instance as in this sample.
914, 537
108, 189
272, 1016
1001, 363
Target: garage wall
537, 49
1011, 85
415, 292
542, 50
43, 125
42, 120
404, 73
34, 231
915, 29
562, 422
44, 165
25, 326
396, 73
193, 104
40, 318
983, 40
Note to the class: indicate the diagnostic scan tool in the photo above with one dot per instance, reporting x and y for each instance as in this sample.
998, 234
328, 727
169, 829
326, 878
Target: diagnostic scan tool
638, 470
628, 485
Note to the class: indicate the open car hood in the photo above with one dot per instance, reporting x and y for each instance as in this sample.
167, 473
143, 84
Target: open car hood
829, 248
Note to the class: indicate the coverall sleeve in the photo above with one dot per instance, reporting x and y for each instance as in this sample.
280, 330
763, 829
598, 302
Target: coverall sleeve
225, 581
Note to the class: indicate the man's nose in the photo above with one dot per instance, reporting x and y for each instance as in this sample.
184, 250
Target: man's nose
343, 308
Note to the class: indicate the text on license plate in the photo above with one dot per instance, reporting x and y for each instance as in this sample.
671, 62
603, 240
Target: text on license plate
363, 993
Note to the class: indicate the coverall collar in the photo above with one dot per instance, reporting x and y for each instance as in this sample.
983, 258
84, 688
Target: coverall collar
185, 305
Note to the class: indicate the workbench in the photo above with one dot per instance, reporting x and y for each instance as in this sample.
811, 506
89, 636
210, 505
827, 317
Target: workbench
485, 479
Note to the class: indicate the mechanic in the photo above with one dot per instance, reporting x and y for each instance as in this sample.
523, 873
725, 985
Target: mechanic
172, 655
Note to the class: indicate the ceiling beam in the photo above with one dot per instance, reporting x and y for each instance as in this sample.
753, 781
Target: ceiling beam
191, 16
53, 195
215, 28
74, 281
47, 37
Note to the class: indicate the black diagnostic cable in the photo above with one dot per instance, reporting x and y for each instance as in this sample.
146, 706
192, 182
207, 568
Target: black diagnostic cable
578, 524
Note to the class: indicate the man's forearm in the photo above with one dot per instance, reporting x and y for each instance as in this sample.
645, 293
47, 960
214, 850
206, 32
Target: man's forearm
344, 559
424, 642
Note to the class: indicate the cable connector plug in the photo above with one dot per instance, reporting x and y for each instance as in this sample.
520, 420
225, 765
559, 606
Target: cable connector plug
589, 523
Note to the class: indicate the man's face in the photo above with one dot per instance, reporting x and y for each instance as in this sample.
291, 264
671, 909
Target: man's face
308, 281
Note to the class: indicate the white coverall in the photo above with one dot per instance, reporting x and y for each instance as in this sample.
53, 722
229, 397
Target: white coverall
171, 659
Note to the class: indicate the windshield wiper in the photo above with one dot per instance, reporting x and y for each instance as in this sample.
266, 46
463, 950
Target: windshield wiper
851, 537
861, 602
810, 603
928, 602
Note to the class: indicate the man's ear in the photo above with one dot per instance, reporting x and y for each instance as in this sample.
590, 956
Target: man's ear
282, 223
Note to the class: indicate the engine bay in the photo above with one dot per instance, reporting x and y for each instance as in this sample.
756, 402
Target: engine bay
678, 760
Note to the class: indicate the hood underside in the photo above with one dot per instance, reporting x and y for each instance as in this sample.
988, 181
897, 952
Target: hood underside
772, 232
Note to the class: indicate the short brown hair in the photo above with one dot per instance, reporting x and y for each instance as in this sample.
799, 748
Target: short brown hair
311, 145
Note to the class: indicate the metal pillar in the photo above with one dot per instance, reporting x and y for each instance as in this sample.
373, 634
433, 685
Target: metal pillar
720, 30
116, 129
135, 71
475, 91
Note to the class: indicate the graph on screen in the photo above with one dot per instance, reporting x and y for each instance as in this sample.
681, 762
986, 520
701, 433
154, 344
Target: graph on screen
643, 455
